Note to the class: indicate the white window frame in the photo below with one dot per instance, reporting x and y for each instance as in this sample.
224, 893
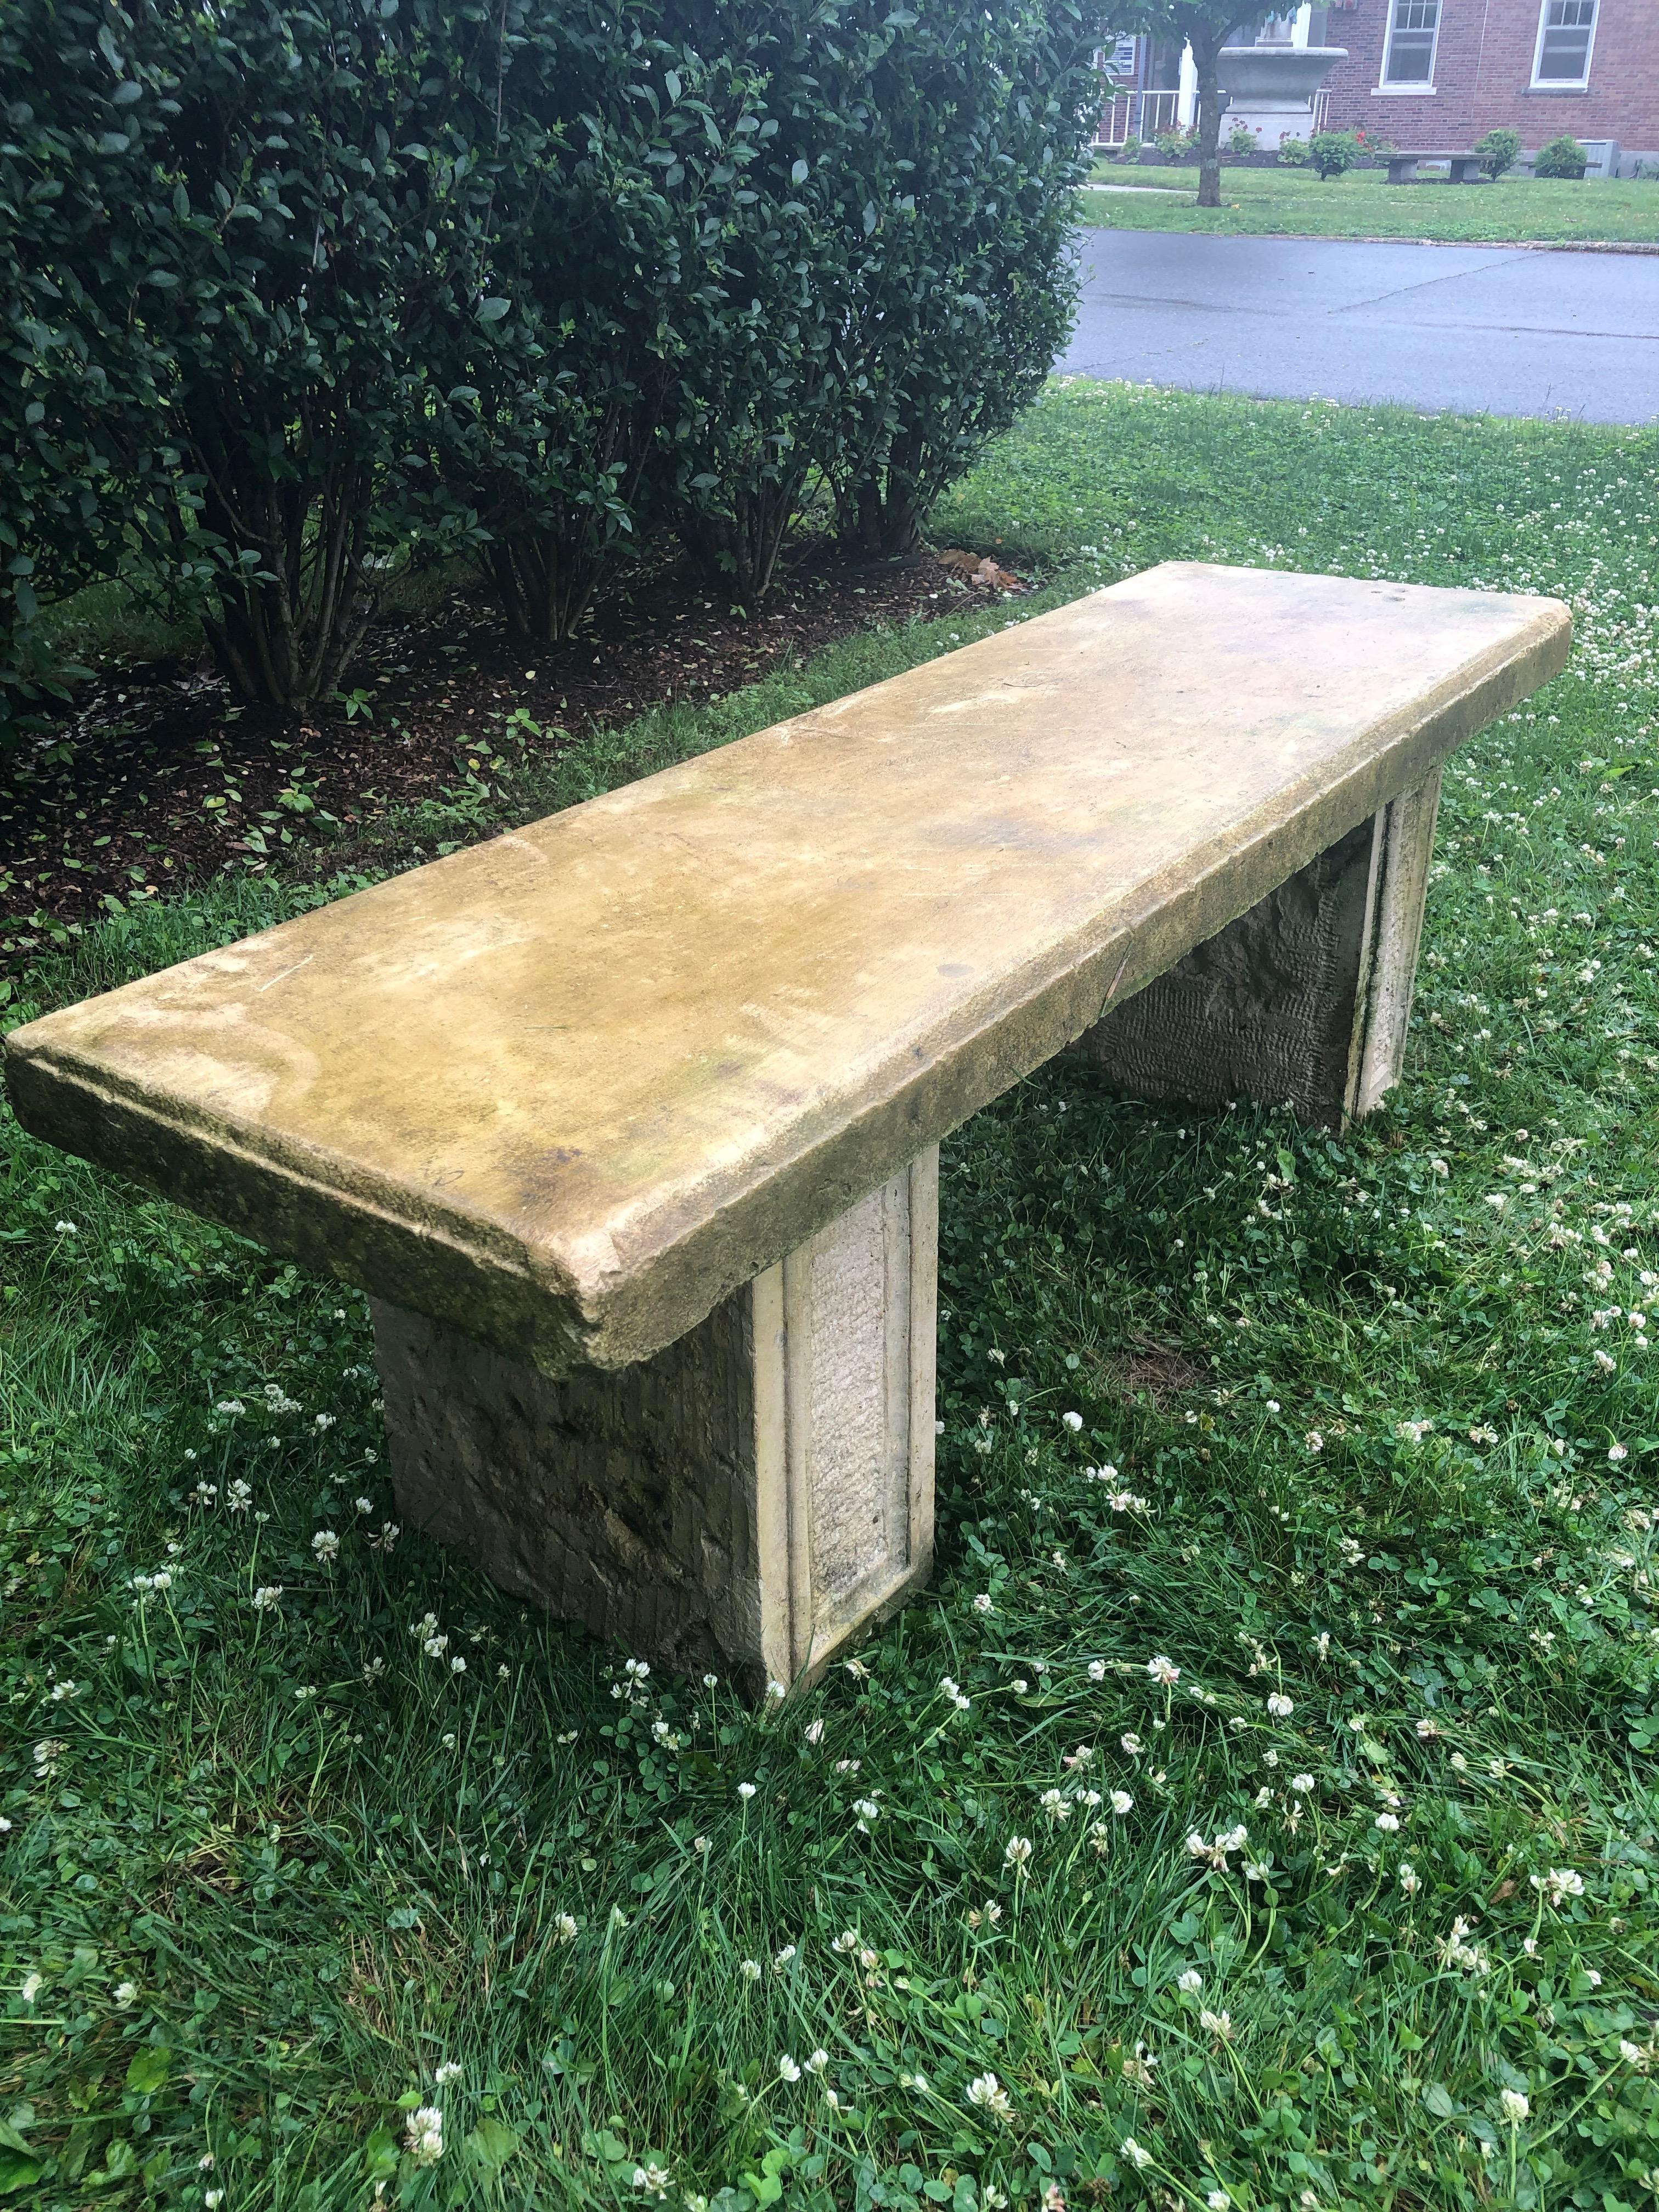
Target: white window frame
1415, 85
1563, 83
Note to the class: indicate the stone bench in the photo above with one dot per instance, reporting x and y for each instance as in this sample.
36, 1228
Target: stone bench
1462, 168
629, 1122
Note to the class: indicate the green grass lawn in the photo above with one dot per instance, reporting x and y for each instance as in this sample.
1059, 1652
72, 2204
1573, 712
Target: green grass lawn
1294, 203
1317, 1669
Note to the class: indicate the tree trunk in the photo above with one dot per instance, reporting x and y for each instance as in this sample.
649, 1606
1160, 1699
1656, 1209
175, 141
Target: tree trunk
1207, 55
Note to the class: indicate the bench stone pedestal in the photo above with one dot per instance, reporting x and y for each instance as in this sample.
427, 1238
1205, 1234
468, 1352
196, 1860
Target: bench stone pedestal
1305, 999
745, 1501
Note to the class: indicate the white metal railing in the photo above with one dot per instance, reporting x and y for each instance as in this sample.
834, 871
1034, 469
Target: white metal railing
1146, 115
1140, 115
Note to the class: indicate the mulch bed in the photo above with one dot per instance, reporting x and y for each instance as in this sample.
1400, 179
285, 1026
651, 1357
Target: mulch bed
162, 782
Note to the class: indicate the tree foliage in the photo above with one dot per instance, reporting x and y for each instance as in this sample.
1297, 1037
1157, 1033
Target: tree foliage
1206, 27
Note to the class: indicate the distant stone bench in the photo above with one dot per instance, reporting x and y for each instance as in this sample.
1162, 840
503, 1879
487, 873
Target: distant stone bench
1463, 168
629, 1122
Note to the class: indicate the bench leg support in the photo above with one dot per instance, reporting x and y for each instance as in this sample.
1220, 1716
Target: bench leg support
1303, 1000
748, 1500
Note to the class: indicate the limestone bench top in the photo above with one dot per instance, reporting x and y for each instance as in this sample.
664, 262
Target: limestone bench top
569, 1088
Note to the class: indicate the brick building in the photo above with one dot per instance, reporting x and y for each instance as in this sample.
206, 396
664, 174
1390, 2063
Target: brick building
1439, 73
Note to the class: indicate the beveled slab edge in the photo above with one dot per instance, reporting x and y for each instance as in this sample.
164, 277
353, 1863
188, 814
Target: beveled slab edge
443, 1266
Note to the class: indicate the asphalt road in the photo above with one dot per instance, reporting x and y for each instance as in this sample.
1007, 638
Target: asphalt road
1467, 329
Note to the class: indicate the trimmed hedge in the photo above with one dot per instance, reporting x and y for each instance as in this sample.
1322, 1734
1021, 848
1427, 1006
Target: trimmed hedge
299, 291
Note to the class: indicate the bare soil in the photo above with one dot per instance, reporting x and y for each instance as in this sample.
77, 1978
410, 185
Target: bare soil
155, 780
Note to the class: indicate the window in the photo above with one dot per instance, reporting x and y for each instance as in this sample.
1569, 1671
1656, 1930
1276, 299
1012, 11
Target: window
1413, 26
1565, 30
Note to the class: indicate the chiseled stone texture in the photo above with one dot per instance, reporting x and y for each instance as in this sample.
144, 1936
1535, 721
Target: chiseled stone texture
569, 1089
1304, 1001
747, 1499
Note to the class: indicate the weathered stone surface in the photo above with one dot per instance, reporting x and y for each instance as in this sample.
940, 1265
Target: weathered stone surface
1305, 999
569, 1089
748, 1499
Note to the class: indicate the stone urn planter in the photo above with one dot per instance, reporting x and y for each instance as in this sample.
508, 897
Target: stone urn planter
1270, 85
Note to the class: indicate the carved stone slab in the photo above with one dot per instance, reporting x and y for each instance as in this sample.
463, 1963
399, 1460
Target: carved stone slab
569, 1089
748, 1500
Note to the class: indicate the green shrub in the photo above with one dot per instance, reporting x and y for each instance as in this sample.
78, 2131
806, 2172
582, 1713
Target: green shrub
79, 387
295, 297
1241, 139
1562, 157
1293, 152
316, 169
617, 161
1130, 150
1176, 145
1499, 150
1333, 153
971, 135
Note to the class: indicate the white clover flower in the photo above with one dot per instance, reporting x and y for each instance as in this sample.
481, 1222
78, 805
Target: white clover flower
1616, 1452
1097, 1670
125, 1996
750, 1969
327, 1545
1191, 1981
1218, 2200
423, 2138
1016, 1852
1217, 2023
1056, 1804
448, 2072
1164, 1670
1388, 1823
267, 1596
566, 1927
1122, 1802
1131, 1744
1072, 1421
988, 2094
776, 1692
745, 1790
1130, 2149
788, 2070
1561, 1882
30, 1987
1514, 2107
847, 1940
64, 1229
814, 1731
1408, 1878
867, 1811
982, 1602
1279, 1706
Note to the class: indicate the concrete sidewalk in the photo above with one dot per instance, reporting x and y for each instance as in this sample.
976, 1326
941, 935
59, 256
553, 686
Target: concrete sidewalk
1468, 328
